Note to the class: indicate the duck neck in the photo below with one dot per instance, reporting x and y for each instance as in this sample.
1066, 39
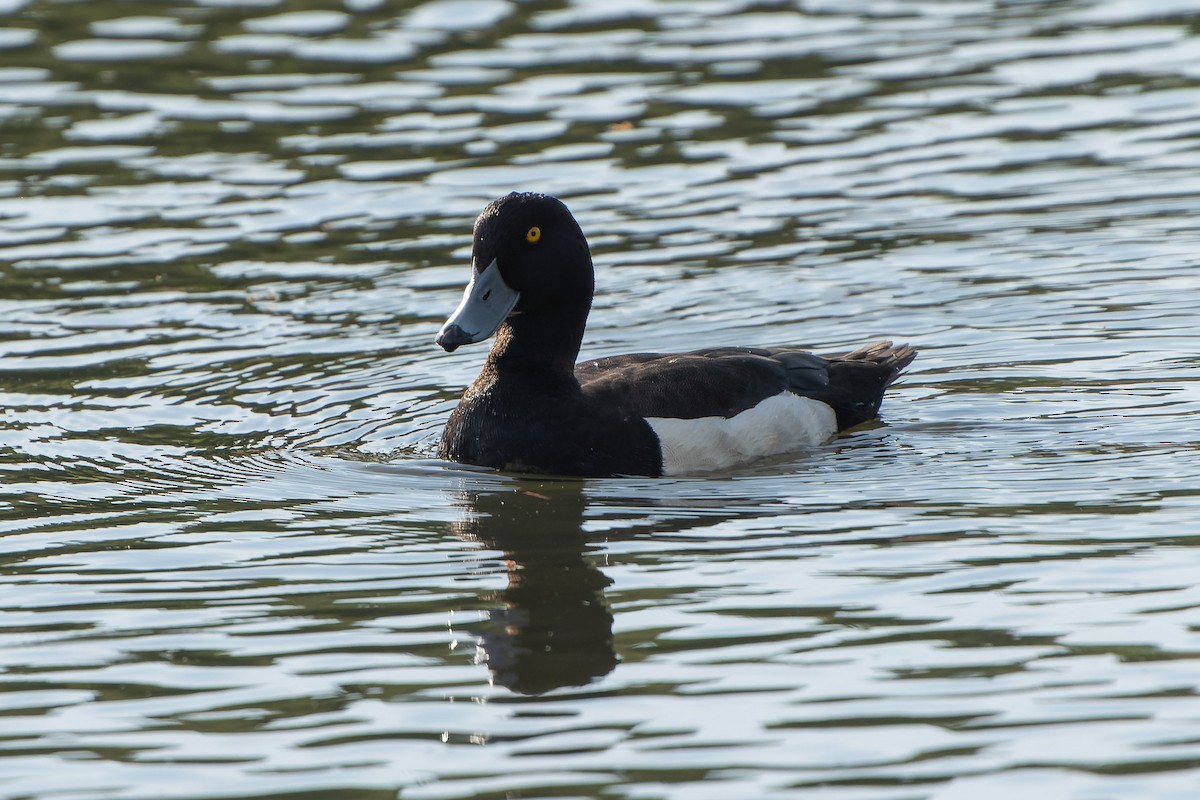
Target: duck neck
545, 340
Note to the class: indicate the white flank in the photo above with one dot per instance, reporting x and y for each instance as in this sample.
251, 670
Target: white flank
779, 424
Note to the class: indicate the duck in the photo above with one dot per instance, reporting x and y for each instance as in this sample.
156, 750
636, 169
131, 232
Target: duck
533, 409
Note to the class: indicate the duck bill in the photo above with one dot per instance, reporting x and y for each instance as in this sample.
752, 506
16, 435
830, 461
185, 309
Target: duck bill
486, 303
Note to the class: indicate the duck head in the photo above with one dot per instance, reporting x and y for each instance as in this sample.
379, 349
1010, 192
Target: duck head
529, 257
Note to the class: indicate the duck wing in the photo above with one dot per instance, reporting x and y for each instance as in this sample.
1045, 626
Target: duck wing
724, 381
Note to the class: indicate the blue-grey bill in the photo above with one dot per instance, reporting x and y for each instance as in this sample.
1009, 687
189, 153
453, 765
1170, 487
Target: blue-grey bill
486, 303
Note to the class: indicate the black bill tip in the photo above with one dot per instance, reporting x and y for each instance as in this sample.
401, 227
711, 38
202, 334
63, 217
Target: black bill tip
451, 337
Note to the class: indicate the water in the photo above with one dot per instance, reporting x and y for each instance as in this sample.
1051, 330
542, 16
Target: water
232, 566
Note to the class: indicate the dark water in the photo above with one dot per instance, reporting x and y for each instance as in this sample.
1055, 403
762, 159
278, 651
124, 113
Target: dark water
232, 567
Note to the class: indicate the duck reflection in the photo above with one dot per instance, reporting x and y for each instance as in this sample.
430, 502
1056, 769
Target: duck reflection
553, 628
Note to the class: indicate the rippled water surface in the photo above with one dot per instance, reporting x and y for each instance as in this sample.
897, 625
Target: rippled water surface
232, 566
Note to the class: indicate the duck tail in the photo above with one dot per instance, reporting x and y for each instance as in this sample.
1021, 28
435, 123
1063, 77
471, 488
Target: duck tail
893, 358
858, 379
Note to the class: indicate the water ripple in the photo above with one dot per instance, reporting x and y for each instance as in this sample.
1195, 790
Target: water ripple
229, 232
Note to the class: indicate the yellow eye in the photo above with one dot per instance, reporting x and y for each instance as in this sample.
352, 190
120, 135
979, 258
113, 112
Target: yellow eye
533, 234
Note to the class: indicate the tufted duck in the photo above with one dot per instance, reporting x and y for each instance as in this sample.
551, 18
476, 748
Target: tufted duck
532, 409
